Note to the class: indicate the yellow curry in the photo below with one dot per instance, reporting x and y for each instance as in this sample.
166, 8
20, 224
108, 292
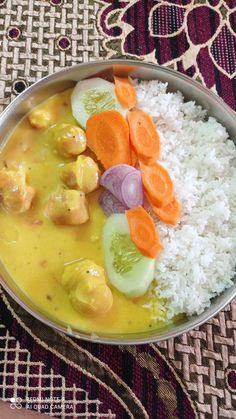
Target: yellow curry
35, 250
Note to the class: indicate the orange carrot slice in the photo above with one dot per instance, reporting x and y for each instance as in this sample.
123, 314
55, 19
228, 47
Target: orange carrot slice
157, 183
143, 232
108, 137
133, 157
125, 92
169, 214
143, 136
122, 70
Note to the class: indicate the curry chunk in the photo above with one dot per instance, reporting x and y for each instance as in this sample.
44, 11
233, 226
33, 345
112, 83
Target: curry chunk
68, 175
86, 284
68, 207
40, 118
70, 140
16, 195
82, 174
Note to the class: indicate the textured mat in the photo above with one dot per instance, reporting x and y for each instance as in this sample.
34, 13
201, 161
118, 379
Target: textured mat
187, 377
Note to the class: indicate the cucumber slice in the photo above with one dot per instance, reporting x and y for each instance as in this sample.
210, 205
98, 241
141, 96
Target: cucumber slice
93, 96
127, 269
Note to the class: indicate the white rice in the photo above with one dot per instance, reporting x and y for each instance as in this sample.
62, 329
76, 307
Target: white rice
198, 261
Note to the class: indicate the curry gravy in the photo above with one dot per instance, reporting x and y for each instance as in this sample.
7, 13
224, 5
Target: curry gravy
34, 250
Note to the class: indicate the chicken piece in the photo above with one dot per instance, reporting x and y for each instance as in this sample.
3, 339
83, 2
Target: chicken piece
18, 201
15, 194
87, 174
86, 284
40, 118
82, 269
68, 207
82, 174
68, 175
70, 140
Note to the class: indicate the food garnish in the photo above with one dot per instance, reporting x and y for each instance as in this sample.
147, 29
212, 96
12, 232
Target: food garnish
108, 137
125, 184
92, 96
132, 189
125, 92
143, 232
110, 204
157, 184
133, 156
127, 269
169, 214
143, 136
113, 178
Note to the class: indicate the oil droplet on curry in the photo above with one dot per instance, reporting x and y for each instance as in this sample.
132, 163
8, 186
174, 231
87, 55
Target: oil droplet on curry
36, 247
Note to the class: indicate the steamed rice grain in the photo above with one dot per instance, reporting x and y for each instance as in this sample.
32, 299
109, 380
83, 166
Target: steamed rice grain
198, 260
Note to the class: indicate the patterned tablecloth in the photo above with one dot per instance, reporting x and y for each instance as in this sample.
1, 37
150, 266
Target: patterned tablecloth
187, 377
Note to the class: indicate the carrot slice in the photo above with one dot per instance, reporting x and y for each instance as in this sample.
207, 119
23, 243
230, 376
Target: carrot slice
169, 214
157, 183
143, 232
122, 70
125, 92
133, 157
143, 136
108, 137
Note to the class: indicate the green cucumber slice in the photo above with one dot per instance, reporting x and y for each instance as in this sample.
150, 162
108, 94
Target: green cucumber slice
127, 269
93, 96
